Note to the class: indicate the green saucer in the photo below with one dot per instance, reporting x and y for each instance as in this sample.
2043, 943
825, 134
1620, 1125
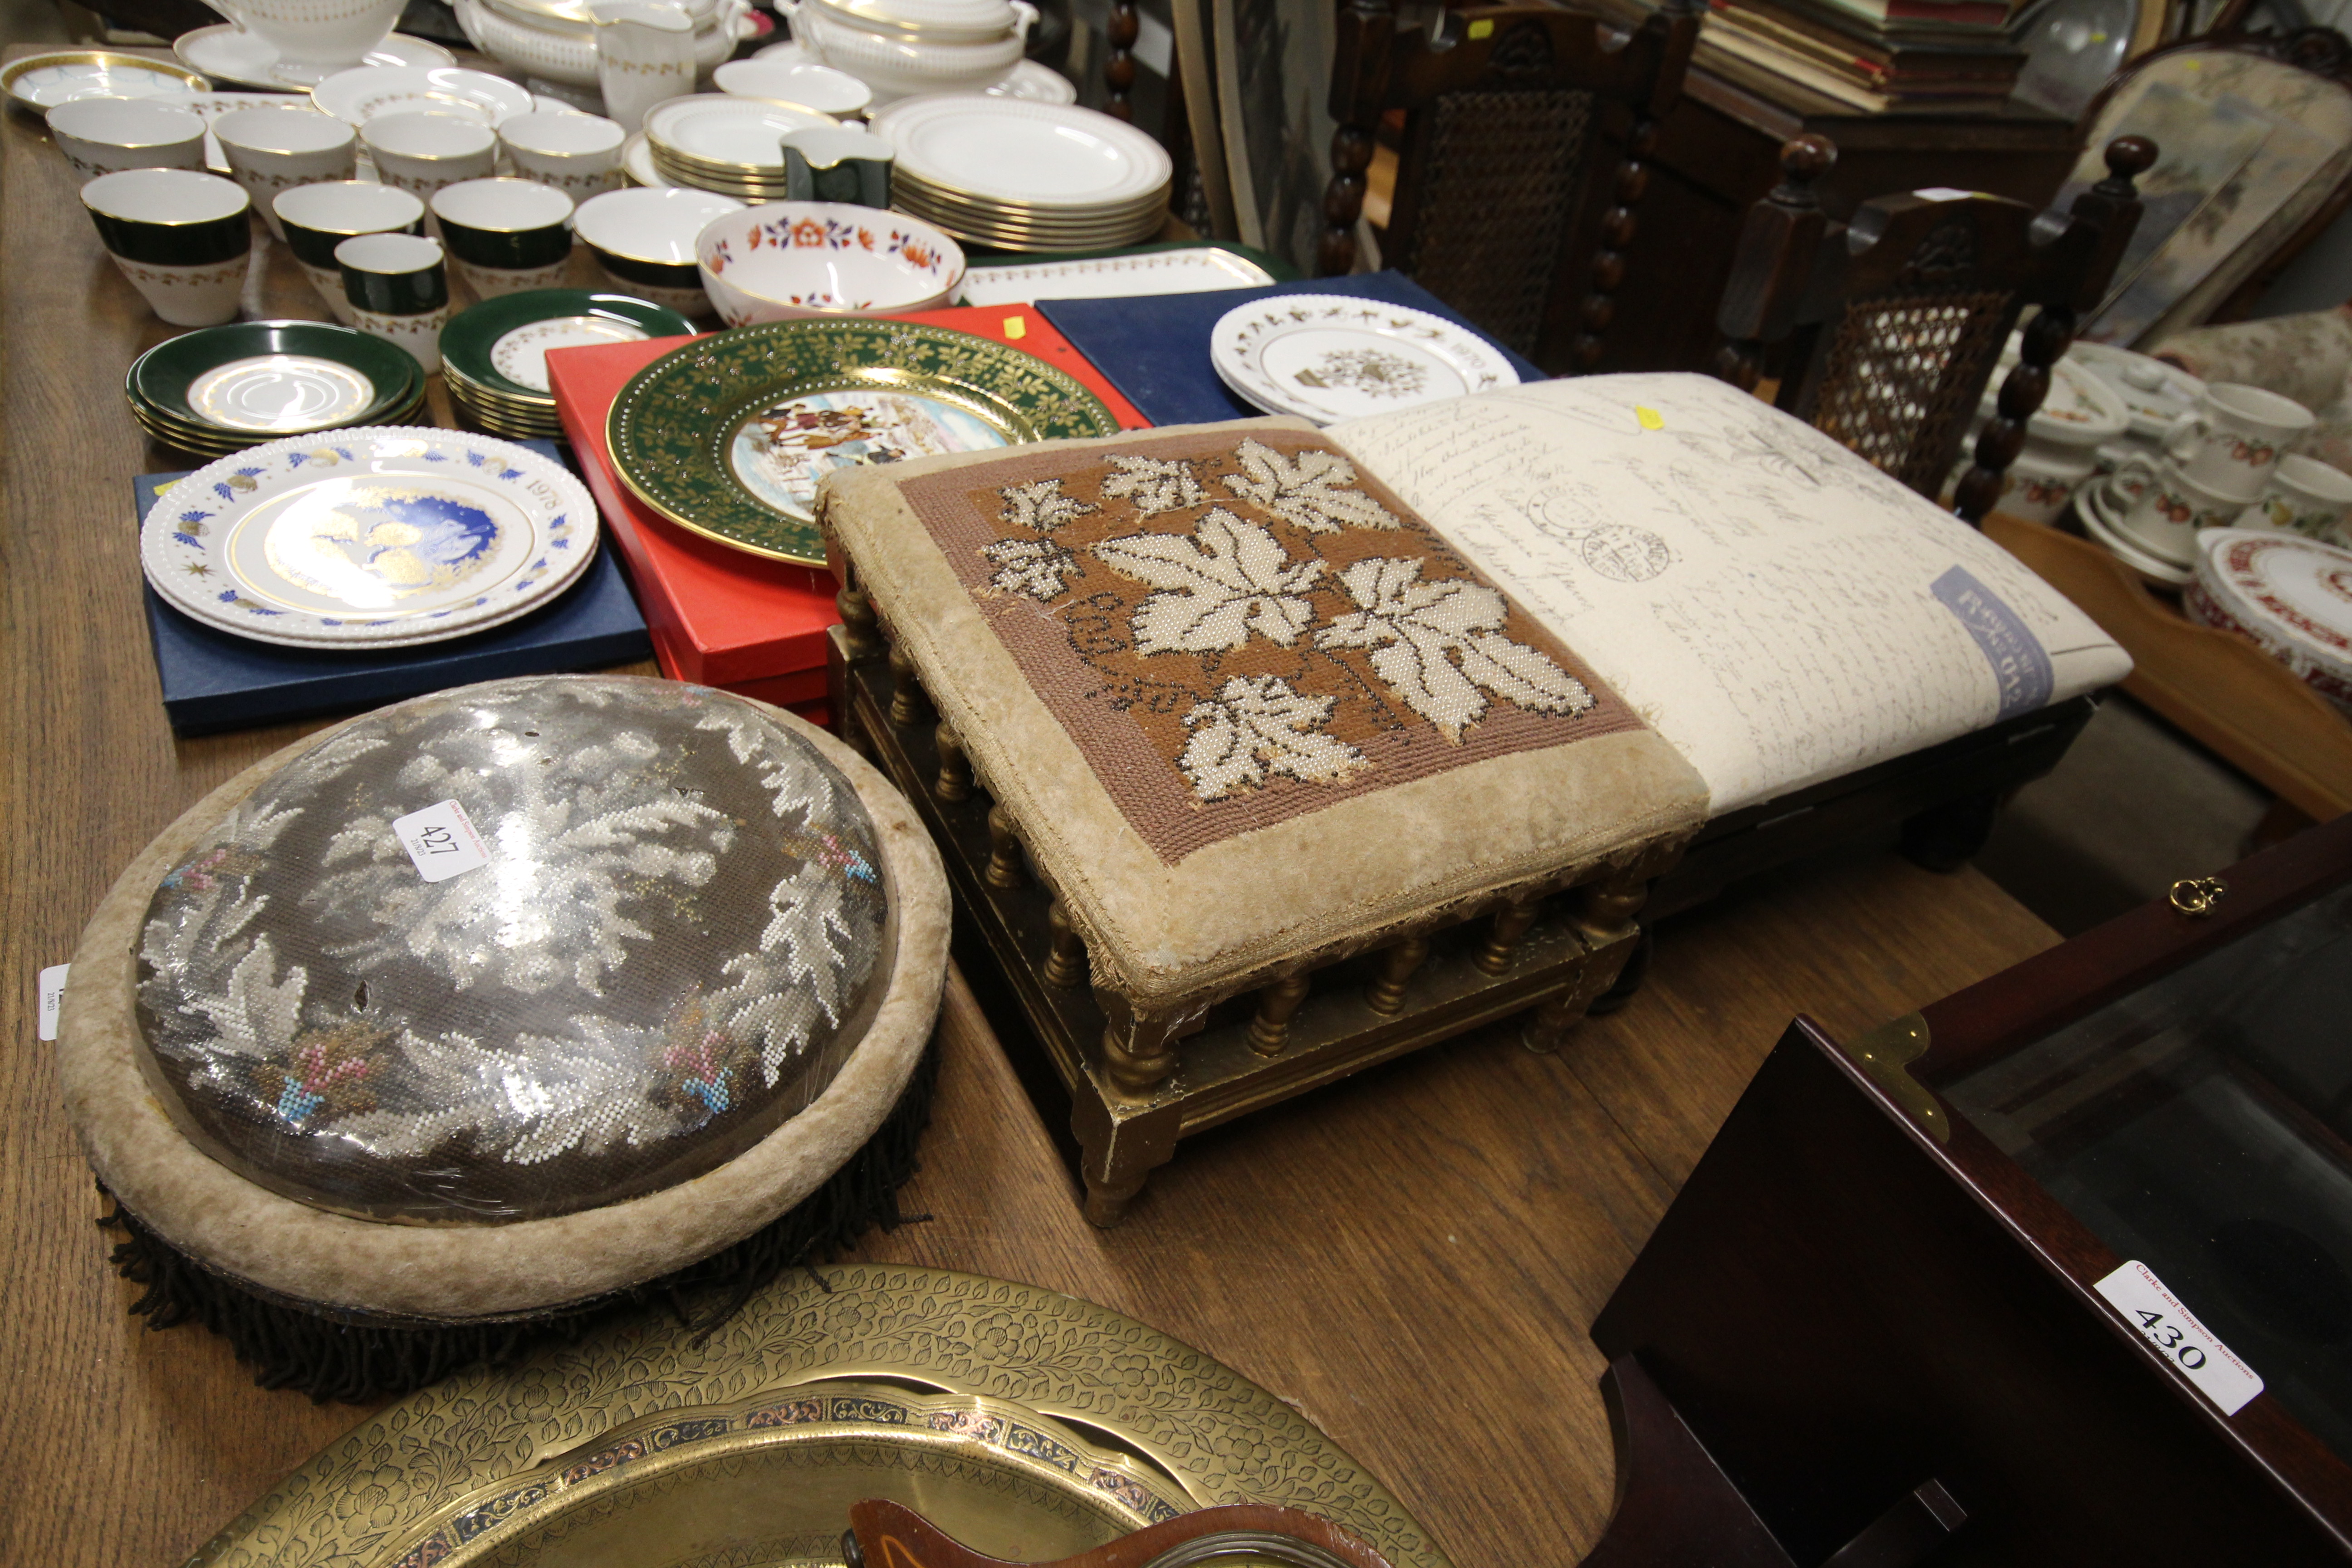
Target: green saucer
728, 436
512, 333
347, 376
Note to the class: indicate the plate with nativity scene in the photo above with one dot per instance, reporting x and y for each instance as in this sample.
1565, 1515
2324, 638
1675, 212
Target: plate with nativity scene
1025, 1424
220, 389
374, 538
728, 434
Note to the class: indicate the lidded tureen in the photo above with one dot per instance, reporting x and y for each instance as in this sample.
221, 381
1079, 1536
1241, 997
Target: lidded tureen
490, 1005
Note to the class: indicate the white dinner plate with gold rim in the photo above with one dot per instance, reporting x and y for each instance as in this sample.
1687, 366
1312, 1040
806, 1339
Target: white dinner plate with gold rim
38, 83
1050, 157
735, 136
1328, 357
228, 54
1191, 269
356, 97
378, 537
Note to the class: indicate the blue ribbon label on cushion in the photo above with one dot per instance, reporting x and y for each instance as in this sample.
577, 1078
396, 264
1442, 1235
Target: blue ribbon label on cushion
2018, 661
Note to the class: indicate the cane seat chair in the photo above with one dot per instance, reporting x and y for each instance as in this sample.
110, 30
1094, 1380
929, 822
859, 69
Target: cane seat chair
1886, 330
1502, 107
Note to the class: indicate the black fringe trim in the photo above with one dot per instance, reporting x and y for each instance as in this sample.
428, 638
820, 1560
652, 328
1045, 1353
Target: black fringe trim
328, 1358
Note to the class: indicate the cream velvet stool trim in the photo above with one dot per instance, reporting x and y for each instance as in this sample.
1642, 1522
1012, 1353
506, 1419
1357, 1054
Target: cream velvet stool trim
1159, 934
332, 1262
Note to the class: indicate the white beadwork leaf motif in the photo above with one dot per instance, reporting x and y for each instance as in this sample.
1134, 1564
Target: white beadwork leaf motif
1257, 726
1222, 582
1154, 485
1037, 567
1437, 644
1308, 492
1041, 505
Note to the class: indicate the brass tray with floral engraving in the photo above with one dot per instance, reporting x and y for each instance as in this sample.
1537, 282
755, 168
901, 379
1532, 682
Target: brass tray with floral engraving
1026, 1424
728, 434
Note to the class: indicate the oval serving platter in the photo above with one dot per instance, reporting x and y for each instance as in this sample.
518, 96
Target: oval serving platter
1027, 1423
728, 436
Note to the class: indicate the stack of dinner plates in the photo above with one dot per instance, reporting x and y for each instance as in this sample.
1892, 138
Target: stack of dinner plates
1017, 176
494, 355
715, 142
219, 390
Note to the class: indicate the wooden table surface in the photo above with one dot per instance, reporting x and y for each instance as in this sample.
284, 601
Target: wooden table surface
1411, 1258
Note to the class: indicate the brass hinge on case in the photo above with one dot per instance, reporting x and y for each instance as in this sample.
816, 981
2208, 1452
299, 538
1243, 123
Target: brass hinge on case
1885, 1055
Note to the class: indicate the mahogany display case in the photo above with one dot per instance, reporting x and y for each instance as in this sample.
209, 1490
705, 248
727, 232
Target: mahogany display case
1875, 1312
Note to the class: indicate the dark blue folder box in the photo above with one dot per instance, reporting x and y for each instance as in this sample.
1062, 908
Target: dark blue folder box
213, 680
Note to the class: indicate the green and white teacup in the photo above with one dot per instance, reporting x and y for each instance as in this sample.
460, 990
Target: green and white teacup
180, 235
399, 290
505, 235
318, 218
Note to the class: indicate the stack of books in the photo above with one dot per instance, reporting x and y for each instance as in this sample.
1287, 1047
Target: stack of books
1947, 57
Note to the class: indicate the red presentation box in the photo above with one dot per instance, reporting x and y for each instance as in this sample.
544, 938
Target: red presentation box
726, 617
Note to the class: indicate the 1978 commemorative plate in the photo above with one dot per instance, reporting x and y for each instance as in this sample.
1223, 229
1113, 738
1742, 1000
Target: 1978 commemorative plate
728, 436
384, 537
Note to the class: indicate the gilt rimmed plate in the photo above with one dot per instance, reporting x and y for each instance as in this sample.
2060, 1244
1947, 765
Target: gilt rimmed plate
500, 346
728, 436
358, 96
1184, 268
1328, 357
386, 537
228, 53
251, 382
1048, 157
38, 83
728, 134
651, 1444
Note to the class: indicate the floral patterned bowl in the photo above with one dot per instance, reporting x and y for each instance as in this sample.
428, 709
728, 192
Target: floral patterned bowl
824, 259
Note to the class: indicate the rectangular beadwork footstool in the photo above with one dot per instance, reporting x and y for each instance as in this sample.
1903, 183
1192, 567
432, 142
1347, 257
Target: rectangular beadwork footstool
1260, 753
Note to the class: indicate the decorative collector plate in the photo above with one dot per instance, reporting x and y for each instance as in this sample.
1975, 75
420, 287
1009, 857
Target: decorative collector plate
371, 538
1328, 357
728, 436
995, 1406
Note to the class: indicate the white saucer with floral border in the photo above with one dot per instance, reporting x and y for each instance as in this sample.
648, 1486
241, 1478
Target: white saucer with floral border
373, 538
1328, 357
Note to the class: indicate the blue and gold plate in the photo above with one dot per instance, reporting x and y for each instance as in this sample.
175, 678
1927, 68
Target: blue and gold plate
375, 538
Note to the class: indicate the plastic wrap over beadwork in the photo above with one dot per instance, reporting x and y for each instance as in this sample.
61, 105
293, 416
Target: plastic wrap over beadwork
677, 938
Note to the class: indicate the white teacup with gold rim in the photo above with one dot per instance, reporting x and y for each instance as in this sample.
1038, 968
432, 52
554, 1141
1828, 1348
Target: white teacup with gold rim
2229, 442
101, 135
182, 237
314, 39
420, 153
274, 149
578, 154
318, 218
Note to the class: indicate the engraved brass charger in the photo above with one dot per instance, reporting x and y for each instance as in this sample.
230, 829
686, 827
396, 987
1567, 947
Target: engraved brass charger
726, 435
1029, 1423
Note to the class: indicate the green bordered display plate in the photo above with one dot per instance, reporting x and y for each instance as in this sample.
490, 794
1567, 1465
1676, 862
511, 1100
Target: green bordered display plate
1029, 1423
728, 434
190, 383
500, 346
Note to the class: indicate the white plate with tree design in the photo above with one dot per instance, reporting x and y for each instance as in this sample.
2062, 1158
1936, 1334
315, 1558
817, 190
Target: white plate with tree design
1328, 357
372, 538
